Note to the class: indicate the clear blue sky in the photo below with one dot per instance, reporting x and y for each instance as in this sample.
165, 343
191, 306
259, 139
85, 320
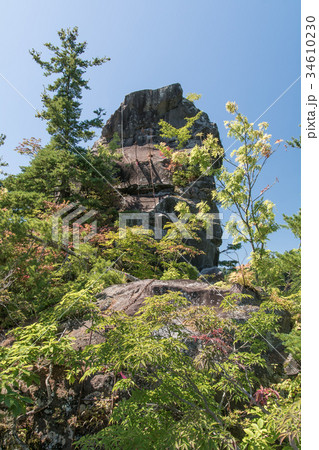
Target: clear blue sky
245, 51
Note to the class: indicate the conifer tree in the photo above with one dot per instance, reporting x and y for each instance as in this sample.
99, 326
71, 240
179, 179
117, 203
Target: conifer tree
62, 98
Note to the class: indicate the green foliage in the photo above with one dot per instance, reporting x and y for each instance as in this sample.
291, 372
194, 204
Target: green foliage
184, 366
152, 345
257, 436
236, 189
188, 165
295, 142
141, 255
115, 142
64, 169
33, 345
294, 223
49, 175
192, 97
36, 273
292, 343
179, 271
62, 109
283, 271
182, 134
57, 175
184, 377
280, 424
174, 378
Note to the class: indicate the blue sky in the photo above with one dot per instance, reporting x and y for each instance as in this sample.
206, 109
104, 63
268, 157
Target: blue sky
244, 51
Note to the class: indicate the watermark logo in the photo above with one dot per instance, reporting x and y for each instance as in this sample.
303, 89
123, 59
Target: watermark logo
211, 224
74, 210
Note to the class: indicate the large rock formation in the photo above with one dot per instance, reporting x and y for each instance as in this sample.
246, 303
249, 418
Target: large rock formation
146, 180
136, 120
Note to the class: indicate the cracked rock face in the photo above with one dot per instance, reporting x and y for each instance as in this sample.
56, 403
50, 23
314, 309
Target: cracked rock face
142, 110
145, 177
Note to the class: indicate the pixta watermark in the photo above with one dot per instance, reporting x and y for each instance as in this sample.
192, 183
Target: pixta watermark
139, 222
74, 211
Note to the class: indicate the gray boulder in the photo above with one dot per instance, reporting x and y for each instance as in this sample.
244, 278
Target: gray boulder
141, 112
130, 297
211, 274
